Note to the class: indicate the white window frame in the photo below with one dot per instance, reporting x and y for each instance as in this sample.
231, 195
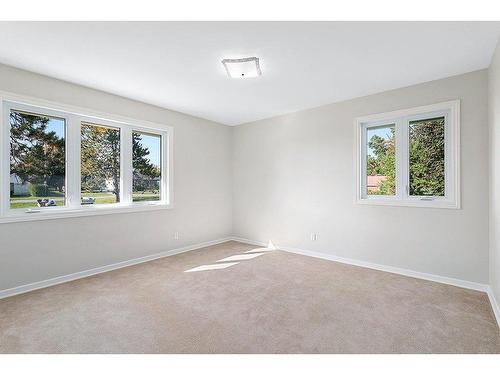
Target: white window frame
451, 111
74, 116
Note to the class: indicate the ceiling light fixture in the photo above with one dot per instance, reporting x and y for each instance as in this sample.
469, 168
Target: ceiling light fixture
242, 68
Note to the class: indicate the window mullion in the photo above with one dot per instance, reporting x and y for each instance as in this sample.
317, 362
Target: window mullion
73, 180
402, 158
126, 165
165, 168
4, 158
449, 159
362, 162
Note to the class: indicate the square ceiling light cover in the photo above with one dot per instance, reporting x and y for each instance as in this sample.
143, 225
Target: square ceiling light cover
242, 68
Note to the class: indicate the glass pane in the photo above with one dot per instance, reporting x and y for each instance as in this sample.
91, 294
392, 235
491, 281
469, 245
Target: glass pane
427, 157
37, 160
381, 160
100, 164
146, 167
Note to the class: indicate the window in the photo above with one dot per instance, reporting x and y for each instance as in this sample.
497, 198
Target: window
99, 164
409, 157
146, 167
59, 161
426, 157
37, 160
381, 160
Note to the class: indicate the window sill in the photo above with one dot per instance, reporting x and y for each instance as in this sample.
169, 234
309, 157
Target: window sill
410, 203
62, 213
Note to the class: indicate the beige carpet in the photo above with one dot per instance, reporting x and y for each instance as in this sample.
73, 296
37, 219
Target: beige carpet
275, 302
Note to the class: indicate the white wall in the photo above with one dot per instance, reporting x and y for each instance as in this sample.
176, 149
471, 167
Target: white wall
289, 176
494, 121
294, 175
38, 250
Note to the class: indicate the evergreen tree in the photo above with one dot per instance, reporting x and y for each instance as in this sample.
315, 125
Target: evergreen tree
100, 158
144, 171
37, 155
427, 157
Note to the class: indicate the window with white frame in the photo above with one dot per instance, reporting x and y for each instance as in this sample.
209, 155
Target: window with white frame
410, 157
61, 161
146, 163
99, 164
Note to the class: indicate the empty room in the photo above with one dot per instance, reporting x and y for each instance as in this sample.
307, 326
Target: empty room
256, 187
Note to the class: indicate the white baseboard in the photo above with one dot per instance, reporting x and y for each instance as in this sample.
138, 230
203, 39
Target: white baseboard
79, 275
400, 271
250, 242
494, 304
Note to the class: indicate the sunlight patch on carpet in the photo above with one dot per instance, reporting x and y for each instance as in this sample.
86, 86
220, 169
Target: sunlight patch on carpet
209, 267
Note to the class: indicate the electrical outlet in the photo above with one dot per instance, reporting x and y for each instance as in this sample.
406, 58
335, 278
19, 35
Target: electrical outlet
176, 235
314, 236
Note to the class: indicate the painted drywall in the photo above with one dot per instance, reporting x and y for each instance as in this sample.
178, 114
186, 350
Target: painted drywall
293, 175
39, 250
494, 122
278, 179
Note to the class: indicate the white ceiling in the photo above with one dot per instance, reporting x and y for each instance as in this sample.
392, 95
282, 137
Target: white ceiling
177, 65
